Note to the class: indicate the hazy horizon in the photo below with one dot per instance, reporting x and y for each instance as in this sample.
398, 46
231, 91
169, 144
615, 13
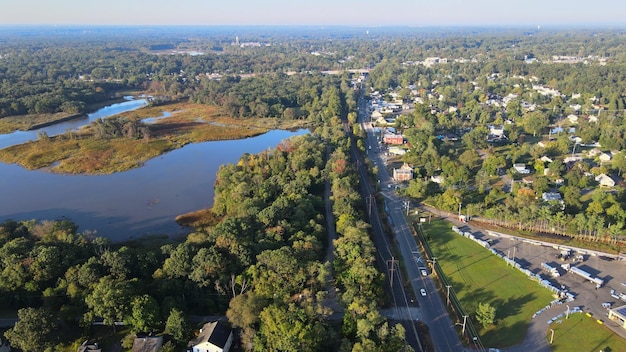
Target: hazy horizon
362, 13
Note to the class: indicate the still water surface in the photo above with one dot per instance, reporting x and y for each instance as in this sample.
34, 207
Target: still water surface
19, 137
128, 204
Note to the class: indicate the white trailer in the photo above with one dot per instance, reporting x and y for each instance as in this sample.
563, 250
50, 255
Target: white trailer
586, 275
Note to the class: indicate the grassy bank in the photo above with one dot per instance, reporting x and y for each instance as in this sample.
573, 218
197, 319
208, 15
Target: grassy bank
478, 276
82, 153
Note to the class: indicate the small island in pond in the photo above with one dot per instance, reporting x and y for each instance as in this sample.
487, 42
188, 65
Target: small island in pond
127, 140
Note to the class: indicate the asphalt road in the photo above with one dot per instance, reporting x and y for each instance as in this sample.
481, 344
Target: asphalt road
432, 309
402, 301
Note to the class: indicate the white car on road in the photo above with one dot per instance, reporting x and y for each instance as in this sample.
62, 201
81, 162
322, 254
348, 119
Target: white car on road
423, 292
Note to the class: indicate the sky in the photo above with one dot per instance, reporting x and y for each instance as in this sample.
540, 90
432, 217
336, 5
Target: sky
421, 13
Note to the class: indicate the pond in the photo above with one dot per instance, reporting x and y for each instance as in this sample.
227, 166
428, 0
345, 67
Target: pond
131, 204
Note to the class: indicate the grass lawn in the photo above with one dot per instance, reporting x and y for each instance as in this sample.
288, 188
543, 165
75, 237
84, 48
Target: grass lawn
582, 333
478, 276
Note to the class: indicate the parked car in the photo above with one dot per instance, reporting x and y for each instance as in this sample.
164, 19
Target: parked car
424, 272
423, 292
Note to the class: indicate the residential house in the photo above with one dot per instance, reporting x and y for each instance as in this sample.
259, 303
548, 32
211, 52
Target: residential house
89, 347
551, 196
405, 173
545, 159
570, 160
215, 336
573, 119
528, 180
594, 152
436, 179
521, 168
390, 138
496, 133
543, 144
604, 157
605, 181
575, 139
147, 344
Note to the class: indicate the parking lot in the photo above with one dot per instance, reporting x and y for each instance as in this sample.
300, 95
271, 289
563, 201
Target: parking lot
587, 296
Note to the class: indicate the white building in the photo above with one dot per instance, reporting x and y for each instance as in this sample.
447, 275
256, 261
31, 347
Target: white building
214, 337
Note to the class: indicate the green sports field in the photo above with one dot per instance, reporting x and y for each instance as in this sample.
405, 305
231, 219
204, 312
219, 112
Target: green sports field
478, 276
583, 333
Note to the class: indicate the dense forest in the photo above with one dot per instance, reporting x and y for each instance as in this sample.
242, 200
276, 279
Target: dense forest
66, 69
262, 264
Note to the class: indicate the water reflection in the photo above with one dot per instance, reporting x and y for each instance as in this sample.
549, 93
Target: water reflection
19, 137
133, 203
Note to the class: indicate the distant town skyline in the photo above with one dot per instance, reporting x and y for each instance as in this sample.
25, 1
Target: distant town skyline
320, 12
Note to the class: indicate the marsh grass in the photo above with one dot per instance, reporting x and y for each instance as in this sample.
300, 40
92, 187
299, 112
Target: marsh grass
81, 153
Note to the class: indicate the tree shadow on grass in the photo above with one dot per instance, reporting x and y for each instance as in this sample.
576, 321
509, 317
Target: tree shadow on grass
505, 336
479, 295
512, 306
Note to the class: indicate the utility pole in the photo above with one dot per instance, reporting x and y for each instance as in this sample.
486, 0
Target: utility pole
459, 218
370, 201
406, 205
391, 270
464, 321
448, 295
567, 315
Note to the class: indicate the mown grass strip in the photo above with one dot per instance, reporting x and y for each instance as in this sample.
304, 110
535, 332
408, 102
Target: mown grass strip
478, 276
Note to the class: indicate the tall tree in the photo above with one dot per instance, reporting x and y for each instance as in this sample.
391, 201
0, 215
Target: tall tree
145, 314
34, 331
485, 314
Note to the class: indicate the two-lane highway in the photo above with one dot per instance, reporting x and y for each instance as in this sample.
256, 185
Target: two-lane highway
433, 311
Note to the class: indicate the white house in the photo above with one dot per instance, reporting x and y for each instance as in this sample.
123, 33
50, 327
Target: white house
546, 159
572, 118
605, 181
436, 179
604, 157
397, 151
521, 168
216, 336
551, 196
